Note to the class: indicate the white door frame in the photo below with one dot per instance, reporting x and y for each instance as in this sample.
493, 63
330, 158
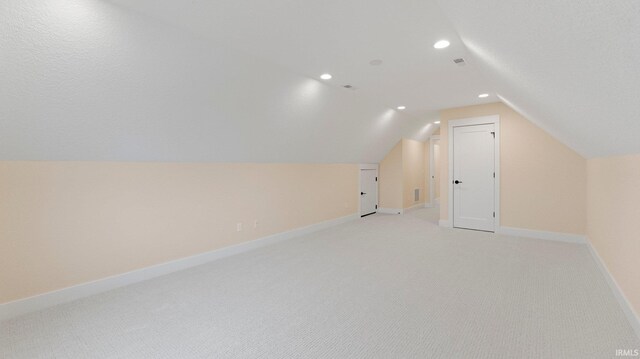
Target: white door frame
432, 170
483, 120
368, 166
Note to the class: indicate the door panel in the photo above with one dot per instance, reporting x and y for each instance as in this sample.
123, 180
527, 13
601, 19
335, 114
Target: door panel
368, 192
473, 177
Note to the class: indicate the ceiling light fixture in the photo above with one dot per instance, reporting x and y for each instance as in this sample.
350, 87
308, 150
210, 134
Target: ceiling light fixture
441, 44
401, 107
326, 76
483, 95
437, 122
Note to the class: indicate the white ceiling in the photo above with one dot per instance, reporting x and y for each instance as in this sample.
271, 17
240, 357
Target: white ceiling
231, 80
341, 37
570, 66
90, 80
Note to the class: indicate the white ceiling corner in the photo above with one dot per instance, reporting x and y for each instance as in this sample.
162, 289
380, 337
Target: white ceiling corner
571, 67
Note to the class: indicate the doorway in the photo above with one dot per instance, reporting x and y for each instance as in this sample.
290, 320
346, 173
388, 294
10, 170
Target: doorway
474, 173
368, 190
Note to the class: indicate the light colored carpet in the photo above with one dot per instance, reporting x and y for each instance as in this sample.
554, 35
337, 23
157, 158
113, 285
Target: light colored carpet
382, 287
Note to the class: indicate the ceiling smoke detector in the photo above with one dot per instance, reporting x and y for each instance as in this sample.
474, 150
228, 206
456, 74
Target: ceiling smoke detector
459, 61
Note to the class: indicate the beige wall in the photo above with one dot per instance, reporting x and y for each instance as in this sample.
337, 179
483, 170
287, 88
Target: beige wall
613, 194
413, 171
427, 172
391, 179
66, 223
401, 172
543, 182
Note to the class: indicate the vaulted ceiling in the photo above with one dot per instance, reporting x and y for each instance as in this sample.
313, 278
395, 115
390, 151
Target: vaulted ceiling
342, 38
228, 80
570, 66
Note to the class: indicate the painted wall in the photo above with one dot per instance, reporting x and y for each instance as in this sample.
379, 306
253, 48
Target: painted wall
427, 172
66, 223
413, 172
437, 170
543, 182
613, 228
391, 179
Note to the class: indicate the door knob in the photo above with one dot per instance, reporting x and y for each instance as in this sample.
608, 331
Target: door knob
457, 182
361, 193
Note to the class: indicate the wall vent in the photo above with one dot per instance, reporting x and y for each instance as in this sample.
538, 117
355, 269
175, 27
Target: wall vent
459, 61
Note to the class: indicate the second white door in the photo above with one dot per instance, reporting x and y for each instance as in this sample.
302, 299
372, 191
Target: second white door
368, 192
474, 177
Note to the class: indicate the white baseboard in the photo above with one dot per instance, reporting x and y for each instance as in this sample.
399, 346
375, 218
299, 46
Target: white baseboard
550, 236
428, 205
41, 301
530, 233
415, 206
632, 316
390, 210
444, 223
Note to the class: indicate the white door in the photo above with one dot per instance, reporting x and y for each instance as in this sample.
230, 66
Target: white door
474, 177
368, 192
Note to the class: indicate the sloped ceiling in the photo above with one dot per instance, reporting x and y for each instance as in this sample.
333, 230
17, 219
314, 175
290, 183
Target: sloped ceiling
340, 37
570, 66
94, 80
237, 81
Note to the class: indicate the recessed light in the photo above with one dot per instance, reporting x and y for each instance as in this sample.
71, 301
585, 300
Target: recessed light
437, 122
326, 76
401, 107
441, 44
483, 95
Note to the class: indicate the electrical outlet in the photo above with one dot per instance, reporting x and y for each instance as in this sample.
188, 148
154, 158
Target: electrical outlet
239, 227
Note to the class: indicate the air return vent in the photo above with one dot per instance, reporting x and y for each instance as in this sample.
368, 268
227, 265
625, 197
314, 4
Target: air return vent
459, 61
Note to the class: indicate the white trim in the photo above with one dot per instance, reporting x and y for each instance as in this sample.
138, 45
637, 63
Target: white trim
415, 206
432, 167
368, 166
41, 301
495, 120
550, 236
428, 205
632, 316
390, 210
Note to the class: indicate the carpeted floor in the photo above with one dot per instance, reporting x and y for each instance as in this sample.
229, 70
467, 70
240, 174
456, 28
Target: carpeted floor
383, 287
